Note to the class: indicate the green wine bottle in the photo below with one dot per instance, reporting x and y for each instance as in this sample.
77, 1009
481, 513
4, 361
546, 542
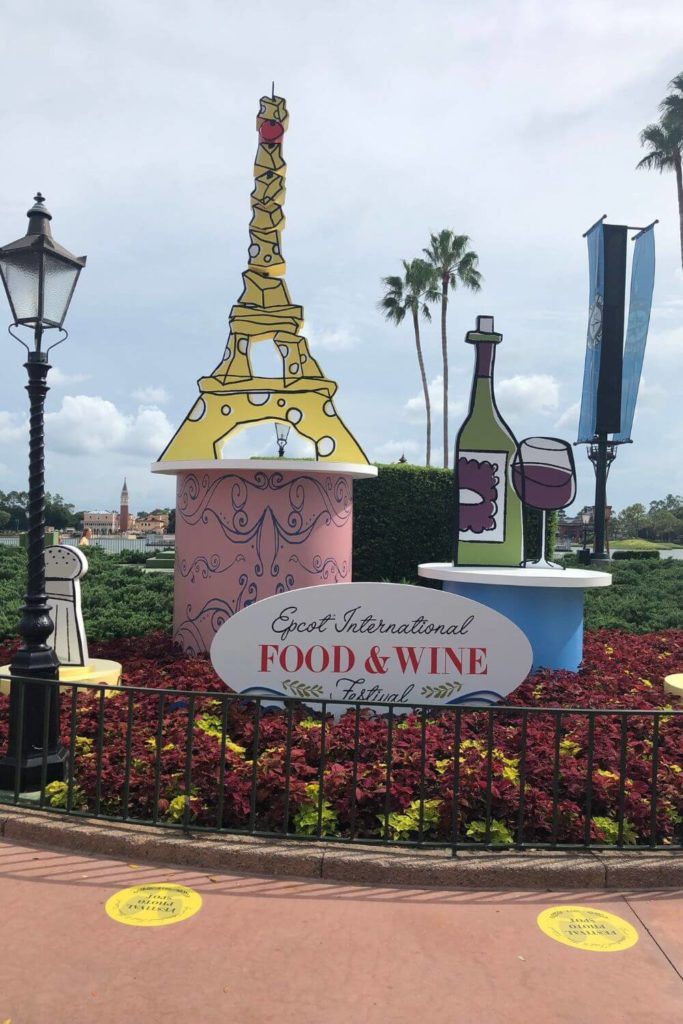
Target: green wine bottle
488, 526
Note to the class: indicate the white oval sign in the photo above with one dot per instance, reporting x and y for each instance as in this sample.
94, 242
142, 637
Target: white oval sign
384, 642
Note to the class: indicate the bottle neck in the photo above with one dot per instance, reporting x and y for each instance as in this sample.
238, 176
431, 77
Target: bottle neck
486, 357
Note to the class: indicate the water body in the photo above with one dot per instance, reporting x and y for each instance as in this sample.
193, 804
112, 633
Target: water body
151, 544
663, 552
112, 545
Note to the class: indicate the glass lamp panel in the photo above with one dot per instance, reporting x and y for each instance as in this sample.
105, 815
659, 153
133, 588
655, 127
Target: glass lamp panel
60, 278
21, 274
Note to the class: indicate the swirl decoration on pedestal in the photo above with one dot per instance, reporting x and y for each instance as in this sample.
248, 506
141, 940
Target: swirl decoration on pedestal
206, 566
325, 569
312, 502
266, 522
192, 634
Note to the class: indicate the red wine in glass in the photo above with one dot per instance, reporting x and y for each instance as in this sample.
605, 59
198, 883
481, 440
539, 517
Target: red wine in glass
544, 477
544, 487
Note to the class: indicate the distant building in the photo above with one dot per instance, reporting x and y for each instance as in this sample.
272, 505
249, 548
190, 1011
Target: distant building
123, 514
101, 523
153, 524
571, 528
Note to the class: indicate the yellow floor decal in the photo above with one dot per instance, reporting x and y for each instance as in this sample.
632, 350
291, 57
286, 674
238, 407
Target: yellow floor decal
587, 928
148, 906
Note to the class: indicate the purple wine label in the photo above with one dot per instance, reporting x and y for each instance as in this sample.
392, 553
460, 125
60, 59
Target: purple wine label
482, 482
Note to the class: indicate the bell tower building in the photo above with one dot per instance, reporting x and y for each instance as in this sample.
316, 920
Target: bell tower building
123, 514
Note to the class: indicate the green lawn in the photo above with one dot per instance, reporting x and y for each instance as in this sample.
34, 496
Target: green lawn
638, 544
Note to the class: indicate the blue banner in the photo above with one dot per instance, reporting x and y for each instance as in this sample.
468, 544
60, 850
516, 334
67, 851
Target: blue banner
591, 368
642, 287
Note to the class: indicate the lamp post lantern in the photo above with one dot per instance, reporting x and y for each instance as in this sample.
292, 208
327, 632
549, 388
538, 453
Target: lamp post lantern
281, 435
39, 277
585, 519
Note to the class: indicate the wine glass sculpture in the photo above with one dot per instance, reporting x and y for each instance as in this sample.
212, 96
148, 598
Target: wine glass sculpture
544, 477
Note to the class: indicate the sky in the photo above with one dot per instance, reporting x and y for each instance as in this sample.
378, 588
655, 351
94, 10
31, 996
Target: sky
512, 121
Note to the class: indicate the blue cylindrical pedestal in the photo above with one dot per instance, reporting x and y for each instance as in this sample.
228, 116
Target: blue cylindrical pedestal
551, 619
546, 604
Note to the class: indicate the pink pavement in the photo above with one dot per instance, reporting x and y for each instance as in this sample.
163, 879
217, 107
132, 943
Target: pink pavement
265, 950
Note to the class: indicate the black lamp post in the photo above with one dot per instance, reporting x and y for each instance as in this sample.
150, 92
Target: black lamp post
39, 276
585, 519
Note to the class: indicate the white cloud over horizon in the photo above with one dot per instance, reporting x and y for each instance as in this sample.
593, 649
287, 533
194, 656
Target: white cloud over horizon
57, 378
151, 395
391, 451
87, 425
414, 408
339, 339
13, 427
539, 391
569, 418
516, 124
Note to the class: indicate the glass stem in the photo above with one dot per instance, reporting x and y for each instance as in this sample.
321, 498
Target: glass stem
543, 514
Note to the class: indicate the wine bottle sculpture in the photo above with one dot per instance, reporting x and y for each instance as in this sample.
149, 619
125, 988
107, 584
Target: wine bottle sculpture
232, 397
488, 519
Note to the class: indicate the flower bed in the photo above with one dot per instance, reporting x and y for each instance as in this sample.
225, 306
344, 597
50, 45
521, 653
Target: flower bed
391, 780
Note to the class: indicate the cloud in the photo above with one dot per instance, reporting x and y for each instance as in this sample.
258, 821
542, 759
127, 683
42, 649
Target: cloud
153, 302
414, 408
259, 440
12, 426
339, 339
86, 425
667, 342
650, 395
59, 379
151, 395
391, 451
570, 417
518, 394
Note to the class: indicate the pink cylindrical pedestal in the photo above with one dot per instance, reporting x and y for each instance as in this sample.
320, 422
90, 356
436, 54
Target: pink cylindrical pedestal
250, 529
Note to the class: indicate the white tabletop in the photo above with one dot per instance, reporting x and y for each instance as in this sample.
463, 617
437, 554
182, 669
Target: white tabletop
514, 577
351, 469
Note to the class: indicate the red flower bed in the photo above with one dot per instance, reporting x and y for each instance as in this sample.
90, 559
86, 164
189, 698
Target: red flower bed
398, 777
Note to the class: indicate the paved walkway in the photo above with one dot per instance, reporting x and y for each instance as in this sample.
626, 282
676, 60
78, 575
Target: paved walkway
262, 950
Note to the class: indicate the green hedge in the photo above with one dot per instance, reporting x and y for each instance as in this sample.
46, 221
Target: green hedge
630, 556
404, 517
118, 600
644, 597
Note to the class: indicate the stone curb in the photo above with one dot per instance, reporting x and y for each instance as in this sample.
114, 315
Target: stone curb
363, 865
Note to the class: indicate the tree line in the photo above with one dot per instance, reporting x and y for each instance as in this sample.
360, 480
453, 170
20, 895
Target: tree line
663, 520
59, 514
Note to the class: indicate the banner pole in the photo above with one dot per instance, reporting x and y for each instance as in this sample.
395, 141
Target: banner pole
599, 553
604, 217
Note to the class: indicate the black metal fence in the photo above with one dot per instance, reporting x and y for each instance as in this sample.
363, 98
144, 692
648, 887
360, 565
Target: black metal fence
458, 777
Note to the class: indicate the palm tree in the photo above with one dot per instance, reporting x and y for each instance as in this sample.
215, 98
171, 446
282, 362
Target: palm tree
451, 263
407, 295
665, 140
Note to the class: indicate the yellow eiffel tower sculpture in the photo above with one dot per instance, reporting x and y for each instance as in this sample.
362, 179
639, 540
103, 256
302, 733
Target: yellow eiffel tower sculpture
232, 397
